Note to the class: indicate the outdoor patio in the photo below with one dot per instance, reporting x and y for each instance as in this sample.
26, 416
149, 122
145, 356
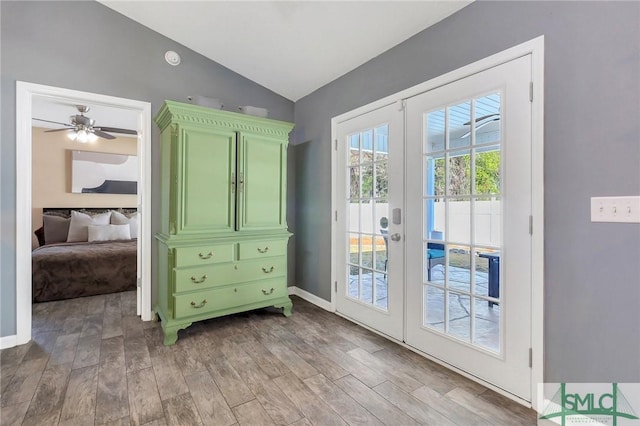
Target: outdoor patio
487, 318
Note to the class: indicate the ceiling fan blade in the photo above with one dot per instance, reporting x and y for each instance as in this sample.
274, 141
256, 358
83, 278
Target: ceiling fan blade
103, 134
58, 130
484, 117
117, 130
54, 122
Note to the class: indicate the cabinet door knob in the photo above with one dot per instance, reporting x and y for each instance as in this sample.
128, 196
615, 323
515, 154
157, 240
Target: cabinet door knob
205, 256
267, 271
200, 305
198, 281
264, 250
240, 182
266, 293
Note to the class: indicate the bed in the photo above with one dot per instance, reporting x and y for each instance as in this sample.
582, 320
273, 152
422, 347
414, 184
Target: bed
96, 256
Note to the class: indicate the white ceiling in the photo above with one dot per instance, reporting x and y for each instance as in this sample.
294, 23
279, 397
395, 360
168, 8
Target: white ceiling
290, 47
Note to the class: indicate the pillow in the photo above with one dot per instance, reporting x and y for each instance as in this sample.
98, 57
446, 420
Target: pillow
108, 232
56, 228
118, 218
39, 233
78, 230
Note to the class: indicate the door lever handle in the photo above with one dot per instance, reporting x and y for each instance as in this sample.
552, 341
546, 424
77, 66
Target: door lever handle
395, 237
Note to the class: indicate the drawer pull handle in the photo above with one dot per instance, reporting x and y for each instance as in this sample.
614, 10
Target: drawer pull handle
205, 256
266, 293
198, 281
201, 305
264, 250
267, 271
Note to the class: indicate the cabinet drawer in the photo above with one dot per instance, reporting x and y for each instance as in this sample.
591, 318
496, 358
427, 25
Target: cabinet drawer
206, 301
266, 248
195, 278
204, 255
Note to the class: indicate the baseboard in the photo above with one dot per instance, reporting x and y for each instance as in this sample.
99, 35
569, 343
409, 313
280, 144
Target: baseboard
8, 341
311, 298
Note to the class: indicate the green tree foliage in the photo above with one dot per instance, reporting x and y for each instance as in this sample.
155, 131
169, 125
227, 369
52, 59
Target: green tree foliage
487, 174
367, 177
459, 175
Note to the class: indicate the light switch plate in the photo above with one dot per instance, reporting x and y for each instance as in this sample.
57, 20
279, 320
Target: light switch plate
615, 209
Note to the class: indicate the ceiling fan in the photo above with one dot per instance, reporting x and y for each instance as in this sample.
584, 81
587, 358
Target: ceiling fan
83, 129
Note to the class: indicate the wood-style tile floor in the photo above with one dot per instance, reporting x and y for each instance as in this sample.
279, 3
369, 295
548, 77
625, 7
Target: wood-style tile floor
92, 361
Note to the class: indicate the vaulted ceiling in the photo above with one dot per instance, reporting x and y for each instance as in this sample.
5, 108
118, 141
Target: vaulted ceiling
290, 47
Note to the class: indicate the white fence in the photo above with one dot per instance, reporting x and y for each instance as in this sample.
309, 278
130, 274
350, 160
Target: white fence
488, 220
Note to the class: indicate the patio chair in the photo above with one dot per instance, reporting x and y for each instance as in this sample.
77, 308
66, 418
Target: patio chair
384, 224
435, 256
494, 274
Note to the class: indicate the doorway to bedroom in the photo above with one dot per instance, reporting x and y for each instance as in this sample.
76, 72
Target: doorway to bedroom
82, 194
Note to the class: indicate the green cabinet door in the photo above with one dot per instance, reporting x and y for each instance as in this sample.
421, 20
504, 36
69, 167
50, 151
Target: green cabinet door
262, 185
205, 168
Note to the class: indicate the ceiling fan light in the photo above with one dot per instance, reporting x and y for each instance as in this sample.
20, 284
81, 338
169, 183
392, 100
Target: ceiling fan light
73, 135
93, 137
83, 136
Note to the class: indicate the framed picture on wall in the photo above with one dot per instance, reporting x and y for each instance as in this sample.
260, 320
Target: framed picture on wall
103, 173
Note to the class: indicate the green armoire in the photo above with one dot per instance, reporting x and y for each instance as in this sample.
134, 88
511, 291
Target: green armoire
223, 236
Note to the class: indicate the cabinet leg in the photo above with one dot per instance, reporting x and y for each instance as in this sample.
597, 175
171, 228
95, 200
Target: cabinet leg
286, 308
171, 333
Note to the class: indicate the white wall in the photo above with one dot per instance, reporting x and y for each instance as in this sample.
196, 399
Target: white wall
51, 176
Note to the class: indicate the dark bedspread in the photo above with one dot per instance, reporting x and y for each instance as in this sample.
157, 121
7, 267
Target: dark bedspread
68, 270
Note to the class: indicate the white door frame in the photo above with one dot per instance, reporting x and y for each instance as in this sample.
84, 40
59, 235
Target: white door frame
535, 48
25, 92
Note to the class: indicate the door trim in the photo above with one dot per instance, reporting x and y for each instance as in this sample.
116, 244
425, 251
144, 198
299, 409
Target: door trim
535, 48
25, 92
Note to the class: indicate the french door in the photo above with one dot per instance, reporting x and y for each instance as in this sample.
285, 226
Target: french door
468, 208
369, 220
433, 239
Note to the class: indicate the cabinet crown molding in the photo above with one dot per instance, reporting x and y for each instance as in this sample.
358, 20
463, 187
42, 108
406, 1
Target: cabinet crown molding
188, 114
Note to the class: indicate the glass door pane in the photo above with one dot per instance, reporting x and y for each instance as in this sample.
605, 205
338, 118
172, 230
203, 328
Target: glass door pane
462, 221
368, 161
